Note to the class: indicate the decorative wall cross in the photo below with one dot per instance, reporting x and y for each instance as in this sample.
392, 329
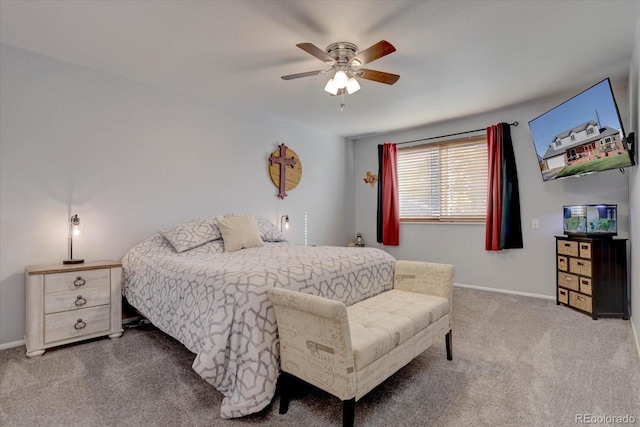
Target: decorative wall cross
279, 164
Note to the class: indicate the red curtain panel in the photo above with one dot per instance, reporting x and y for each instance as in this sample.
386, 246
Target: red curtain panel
503, 223
494, 188
388, 203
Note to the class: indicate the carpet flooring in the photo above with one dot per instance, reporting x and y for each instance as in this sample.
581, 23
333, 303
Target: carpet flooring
517, 361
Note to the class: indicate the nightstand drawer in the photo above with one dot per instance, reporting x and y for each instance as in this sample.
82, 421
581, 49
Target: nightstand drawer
567, 247
75, 300
72, 324
77, 280
580, 266
569, 281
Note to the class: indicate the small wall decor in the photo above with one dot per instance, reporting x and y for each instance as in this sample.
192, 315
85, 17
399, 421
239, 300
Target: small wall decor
285, 169
370, 179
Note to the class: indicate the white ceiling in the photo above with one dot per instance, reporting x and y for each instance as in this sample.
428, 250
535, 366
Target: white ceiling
455, 58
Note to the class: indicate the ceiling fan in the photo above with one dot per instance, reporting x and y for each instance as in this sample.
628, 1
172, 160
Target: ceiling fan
345, 60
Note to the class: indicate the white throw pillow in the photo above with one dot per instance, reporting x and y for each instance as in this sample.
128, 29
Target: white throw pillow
239, 232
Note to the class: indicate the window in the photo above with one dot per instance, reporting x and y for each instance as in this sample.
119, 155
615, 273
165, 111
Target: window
590, 131
444, 181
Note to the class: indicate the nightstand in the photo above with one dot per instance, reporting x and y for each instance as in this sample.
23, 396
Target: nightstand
66, 303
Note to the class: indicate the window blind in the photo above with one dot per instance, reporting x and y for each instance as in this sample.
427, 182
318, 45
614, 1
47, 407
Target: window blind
445, 181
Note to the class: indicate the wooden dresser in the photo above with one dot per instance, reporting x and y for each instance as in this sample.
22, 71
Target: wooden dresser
72, 302
592, 275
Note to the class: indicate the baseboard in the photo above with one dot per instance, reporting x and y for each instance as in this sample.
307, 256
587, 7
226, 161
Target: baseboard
635, 335
11, 344
504, 291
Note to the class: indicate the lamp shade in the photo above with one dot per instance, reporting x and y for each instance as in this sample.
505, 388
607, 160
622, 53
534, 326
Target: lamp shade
284, 222
352, 85
340, 79
75, 227
331, 87
75, 231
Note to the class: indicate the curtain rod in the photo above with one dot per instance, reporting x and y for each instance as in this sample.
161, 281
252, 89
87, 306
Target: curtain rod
451, 134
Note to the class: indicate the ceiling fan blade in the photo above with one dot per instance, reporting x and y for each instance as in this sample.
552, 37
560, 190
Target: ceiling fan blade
307, 74
317, 52
378, 50
378, 76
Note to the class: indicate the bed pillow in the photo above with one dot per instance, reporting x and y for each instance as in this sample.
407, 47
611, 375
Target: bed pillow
268, 231
239, 232
191, 234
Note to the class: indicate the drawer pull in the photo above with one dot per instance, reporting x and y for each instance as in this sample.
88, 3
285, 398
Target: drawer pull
80, 301
580, 264
79, 324
584, 247
567, 278
566, 245
79, 282
580, 298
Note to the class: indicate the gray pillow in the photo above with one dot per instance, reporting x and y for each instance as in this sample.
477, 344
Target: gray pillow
191, 234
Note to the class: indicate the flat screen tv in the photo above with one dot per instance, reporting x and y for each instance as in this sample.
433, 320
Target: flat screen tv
582, 135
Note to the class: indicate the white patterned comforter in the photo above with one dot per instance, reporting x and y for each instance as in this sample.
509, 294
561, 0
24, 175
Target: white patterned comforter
216, 303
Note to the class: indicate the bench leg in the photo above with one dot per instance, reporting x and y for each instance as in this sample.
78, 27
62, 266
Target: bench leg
285, 385
447, 340
348, 412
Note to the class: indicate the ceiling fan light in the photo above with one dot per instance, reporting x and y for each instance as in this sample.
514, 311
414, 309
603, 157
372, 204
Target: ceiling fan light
331, 87
352, 85
341, 79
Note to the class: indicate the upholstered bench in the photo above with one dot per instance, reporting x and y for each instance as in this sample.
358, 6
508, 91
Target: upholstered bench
347, 351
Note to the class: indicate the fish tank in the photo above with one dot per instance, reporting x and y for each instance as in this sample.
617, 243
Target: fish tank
590, 220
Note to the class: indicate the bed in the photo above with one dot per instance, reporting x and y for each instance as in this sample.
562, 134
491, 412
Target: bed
189, 284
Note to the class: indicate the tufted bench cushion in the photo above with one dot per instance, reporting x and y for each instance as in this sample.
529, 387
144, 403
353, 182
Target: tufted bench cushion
383, 322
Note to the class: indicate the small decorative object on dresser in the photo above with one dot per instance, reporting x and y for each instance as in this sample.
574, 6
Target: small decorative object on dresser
592, 275
66, 303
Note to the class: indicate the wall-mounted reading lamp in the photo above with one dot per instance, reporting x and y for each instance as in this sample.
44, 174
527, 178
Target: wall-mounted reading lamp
284, 222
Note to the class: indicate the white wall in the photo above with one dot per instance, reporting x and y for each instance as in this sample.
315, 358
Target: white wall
530, 270
130, 158
634, 186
